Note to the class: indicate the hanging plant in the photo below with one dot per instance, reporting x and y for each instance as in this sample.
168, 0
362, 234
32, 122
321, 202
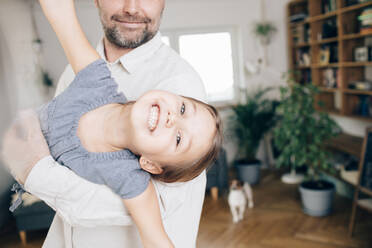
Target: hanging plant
264, 31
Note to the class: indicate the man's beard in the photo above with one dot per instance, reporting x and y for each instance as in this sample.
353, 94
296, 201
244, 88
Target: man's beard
118, 37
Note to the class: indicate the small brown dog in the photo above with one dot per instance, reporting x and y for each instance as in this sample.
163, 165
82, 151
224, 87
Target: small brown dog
238, 196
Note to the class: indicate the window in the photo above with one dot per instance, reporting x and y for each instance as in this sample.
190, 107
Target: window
211, 54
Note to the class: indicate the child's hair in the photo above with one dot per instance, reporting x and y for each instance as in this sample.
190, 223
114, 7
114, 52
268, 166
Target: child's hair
172, 174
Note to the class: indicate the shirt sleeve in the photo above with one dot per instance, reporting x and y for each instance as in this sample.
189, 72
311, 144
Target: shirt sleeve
76, 200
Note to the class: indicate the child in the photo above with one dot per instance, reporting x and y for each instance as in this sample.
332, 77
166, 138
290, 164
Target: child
90, 128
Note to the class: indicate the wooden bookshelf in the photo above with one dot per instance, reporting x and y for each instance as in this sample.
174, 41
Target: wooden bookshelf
340, 98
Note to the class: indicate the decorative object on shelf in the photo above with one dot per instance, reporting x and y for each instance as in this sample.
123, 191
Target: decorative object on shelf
363, 106
300, 135
349, 170
303, 56
300, 33
324, 56
361, 85
328, 6
264, 31
353, 2
363, 54
298, 17
330, 78
248, 125
329, 29
365, 20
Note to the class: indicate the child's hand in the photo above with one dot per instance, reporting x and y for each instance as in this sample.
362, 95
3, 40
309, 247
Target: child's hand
54, 9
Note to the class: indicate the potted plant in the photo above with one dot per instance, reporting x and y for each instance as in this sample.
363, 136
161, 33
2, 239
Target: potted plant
264, 31
248, 124
300, 136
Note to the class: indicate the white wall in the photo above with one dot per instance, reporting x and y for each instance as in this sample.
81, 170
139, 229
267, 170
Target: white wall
18, 56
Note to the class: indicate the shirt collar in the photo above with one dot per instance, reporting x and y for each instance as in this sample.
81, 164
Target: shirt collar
138, 56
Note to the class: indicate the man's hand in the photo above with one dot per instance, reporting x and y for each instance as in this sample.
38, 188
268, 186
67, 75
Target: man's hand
23, 145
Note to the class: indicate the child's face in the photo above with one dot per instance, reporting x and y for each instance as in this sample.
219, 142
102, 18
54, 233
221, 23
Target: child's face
170, 129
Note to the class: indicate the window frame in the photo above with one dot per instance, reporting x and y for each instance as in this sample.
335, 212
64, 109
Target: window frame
236, 50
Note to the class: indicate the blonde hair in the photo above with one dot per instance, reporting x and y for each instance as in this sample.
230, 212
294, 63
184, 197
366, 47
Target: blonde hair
172, 174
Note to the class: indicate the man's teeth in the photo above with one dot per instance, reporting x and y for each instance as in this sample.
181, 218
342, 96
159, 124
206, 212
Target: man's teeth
153, 118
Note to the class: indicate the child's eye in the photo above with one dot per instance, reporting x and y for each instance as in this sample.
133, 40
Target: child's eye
183, 108
178, 139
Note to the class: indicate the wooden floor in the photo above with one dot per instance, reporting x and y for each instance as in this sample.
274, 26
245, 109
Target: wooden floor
275, 221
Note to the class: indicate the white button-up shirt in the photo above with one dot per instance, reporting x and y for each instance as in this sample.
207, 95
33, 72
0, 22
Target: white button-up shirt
91, 215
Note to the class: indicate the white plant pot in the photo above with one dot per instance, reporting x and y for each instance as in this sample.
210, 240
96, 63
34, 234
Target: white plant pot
292, 178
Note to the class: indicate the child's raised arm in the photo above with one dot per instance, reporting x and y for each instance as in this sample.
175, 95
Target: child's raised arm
62, 16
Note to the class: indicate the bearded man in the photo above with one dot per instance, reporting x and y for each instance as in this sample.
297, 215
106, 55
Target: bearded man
90, 215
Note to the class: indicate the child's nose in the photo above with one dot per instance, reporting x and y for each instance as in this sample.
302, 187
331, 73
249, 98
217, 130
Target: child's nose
170, 119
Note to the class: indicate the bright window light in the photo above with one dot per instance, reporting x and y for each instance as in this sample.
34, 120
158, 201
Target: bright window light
211, 56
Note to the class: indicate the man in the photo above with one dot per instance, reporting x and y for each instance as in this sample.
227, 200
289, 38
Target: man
90, 215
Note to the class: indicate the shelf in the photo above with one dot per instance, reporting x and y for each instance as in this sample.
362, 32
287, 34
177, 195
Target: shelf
329, 111
347, 143
302, 67
323, 16
293, 24
326, 65
294, 2
355, 7
359, 117
365, 204
331, 90
365, 190
324, 41
357, 92
355, 64
302, 44
355, 36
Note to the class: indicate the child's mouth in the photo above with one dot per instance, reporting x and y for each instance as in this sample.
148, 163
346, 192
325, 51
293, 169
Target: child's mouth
153, 117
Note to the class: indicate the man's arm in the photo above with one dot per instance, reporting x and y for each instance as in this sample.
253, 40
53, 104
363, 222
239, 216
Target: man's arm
78, 201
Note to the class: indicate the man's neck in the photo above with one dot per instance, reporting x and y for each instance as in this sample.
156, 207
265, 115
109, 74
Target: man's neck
113, 52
